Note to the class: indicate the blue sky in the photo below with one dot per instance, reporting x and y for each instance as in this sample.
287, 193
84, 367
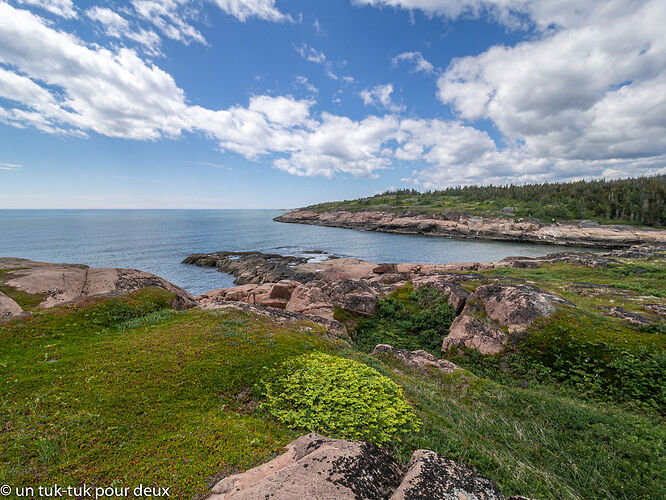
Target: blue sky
272, 104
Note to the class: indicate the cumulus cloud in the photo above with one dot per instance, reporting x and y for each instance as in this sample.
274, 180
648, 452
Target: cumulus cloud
380, 95
62, 8
596, 90
585, 95
416, 58
244, 9
600, 113
116, 26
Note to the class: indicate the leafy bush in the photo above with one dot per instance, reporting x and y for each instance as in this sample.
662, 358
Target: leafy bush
338, 397
407, 319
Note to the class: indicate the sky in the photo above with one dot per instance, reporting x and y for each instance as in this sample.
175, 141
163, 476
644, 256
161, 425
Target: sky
284, 103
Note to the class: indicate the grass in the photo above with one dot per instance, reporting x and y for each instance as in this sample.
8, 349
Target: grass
125, 392
535, 442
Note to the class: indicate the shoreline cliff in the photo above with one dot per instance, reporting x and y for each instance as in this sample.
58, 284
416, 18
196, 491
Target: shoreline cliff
461, 225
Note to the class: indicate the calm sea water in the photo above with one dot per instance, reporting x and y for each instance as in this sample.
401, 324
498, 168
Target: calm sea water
158, 240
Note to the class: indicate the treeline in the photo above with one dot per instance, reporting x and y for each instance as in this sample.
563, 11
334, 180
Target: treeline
637, 201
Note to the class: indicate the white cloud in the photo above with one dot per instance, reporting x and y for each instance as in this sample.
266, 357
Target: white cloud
171, 17
592, 92
380, 95
311, 54
316, 56
62, 8
175, 18
10, 167
420, 63
244, 9
558, 121
117, 26
304, 82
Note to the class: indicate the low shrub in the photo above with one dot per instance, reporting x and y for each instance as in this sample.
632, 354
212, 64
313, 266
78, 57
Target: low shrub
339, 398
407, 319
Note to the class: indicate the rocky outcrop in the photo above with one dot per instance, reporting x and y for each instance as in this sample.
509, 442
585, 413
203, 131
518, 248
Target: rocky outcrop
257, 267
473, 333
506, 309
517, 306
628, 316
9, 308
320, 468
431, 476
59, 284
421, 360
460, 225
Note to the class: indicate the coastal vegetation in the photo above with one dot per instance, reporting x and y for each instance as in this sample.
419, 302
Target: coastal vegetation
407, 319
126, 390
638, 201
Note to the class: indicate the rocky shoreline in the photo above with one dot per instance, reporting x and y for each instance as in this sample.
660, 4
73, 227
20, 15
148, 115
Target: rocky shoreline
461, 225
497, 310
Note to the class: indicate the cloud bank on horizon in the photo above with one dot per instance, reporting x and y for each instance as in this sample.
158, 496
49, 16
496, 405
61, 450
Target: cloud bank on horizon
575, 90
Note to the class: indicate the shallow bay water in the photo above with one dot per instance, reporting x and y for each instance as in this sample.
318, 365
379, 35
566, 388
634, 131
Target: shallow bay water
158, 240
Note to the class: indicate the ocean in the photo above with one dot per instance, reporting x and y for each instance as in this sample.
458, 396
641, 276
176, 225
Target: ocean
158, 240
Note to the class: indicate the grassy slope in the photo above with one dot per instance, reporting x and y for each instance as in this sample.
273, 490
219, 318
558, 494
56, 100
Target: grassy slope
91, 396
126, 391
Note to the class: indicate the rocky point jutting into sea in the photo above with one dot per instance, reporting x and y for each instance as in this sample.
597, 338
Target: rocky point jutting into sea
461, 225
290, 287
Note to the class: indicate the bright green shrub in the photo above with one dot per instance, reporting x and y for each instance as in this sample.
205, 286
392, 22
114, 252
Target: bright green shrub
339, 398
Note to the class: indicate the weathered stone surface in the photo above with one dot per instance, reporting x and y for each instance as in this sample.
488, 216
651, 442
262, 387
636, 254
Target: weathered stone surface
460, 225
471, 332
420, 359
280, 315
64, 283
259, 268
629, 316
517, 306
354, 296
315, 467
658, 309
432, 477
9, 309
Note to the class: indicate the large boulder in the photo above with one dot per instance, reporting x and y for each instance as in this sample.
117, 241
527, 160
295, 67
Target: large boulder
9, 309
432, 477
517, 306
421, 360
471, 332
315, 467
355, 296
311, 299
